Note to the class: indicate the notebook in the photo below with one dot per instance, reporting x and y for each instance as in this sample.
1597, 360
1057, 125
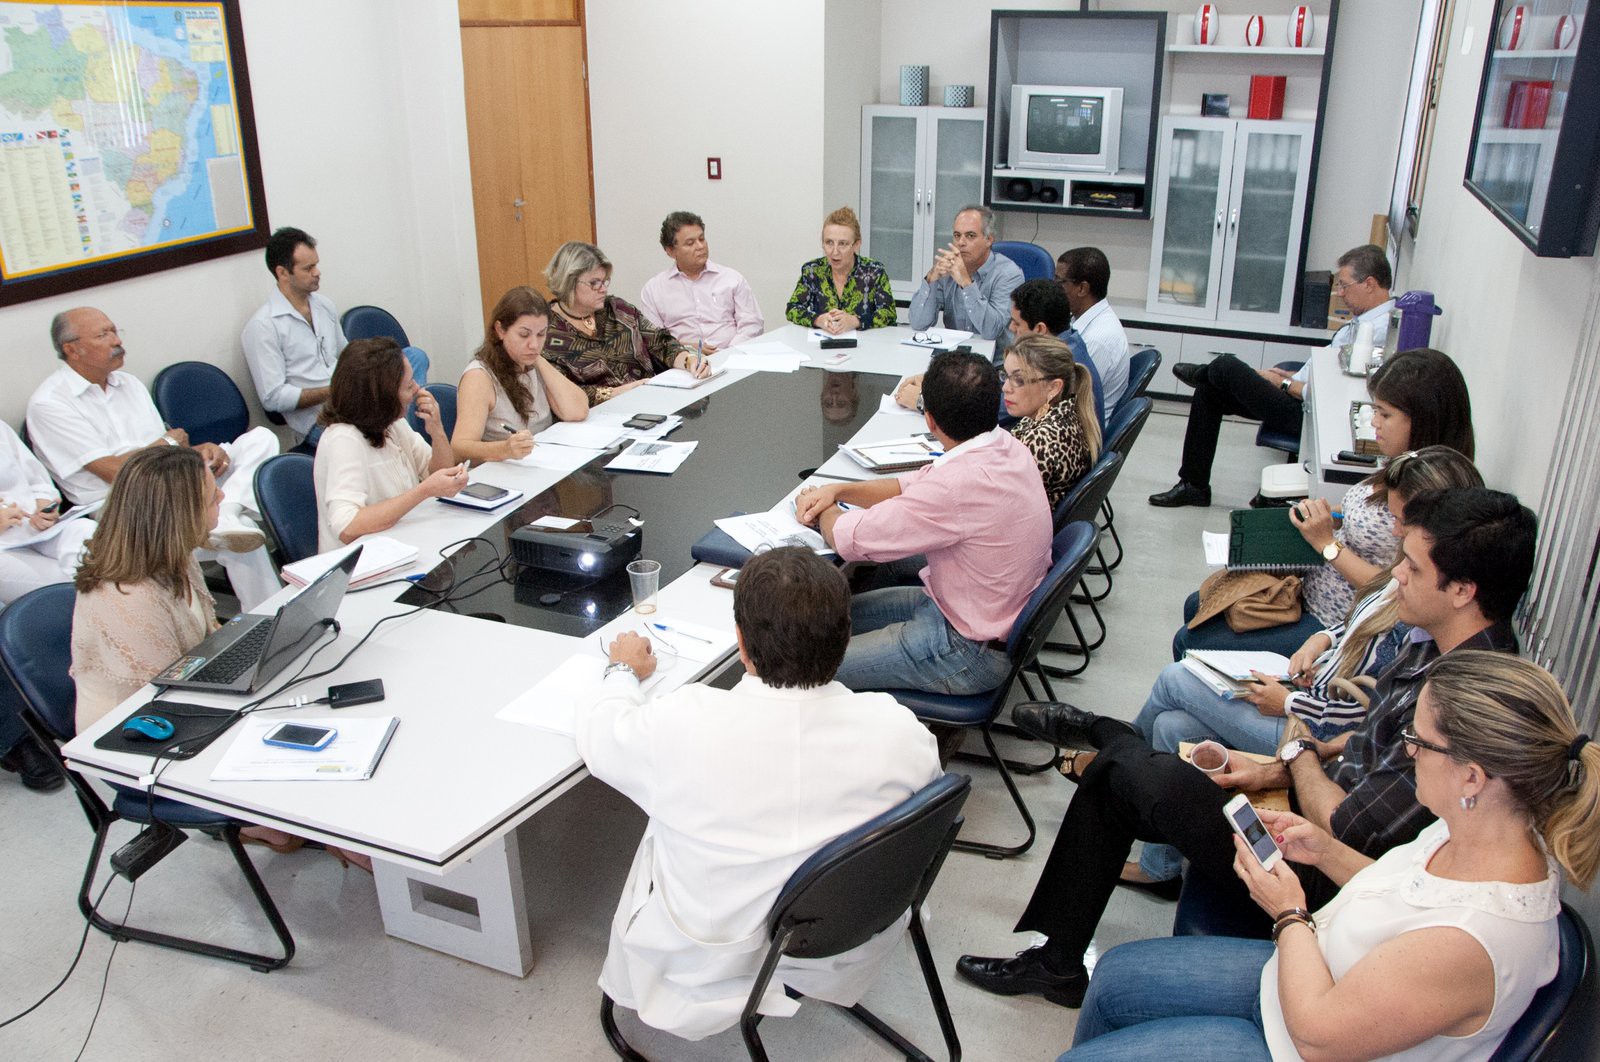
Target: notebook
894, 455
1266, 540
380, 557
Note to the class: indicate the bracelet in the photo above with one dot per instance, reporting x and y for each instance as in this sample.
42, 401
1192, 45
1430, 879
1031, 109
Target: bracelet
169, 440
617, 666
603, 393
1293, 916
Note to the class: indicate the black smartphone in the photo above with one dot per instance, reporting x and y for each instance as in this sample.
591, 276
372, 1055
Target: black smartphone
484, 491
643, 422
352, 693
837, 344
1350, 457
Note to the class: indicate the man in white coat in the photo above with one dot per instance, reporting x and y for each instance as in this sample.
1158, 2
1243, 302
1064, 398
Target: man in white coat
741, 787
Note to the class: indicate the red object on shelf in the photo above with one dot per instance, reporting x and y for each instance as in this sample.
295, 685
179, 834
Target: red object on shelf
1528, 104
1266, 95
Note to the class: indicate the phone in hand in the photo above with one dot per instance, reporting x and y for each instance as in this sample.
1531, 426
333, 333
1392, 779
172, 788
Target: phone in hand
1247, 824
301, 736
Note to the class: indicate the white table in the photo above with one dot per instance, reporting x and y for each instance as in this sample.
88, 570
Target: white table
440, 816
1326, 430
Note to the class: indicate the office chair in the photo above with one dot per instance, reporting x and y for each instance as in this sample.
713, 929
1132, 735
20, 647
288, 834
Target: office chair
846, 893
445, 395
1288, 442
35, 653
1034, 261
1072, 550
1082, 504
1142, 366
1120, 436
372, 322
1548, 1030
287, 496
202, 400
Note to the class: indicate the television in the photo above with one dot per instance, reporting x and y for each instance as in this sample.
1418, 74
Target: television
1065, 127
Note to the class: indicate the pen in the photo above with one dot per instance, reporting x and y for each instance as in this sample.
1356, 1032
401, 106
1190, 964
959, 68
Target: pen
508, 429
681, 634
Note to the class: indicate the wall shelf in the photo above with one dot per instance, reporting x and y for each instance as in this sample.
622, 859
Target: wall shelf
1245, 49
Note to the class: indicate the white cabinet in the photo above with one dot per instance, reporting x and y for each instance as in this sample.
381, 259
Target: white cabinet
1230, 205
919, 165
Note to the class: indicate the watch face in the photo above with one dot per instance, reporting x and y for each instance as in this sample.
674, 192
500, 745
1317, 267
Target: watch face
1291, 750
1331, 551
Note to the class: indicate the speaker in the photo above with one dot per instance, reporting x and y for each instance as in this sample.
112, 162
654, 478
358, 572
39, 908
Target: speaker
1316, 288
1019, 189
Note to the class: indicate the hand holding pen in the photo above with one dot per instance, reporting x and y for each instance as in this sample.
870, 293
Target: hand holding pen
518, 442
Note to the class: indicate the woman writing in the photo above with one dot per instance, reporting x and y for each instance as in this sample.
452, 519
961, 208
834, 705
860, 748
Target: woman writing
371, 467
509, 393
1435, 949
142, 602
841, 290
1054, 397
600, 342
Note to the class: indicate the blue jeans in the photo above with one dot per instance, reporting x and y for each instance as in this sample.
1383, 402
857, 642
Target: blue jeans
1215, 633
1198, 998
1183, 708
900, 640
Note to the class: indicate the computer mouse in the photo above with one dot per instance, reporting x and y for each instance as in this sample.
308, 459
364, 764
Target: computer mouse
147, 728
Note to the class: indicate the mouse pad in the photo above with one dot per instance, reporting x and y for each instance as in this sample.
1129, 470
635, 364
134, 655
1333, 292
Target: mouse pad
194, 726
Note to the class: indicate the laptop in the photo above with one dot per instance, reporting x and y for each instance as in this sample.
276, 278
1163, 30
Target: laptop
247, 651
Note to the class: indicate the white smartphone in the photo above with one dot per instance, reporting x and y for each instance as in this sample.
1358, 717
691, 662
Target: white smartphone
301, 736
1247, 824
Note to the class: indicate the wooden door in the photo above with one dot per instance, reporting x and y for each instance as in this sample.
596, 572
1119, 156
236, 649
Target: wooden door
528, 136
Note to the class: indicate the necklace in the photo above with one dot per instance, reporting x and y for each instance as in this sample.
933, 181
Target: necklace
589, 320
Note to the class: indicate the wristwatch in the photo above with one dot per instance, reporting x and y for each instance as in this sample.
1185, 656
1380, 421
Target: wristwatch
1284, 386
1292, 749
1330, 552
618, 666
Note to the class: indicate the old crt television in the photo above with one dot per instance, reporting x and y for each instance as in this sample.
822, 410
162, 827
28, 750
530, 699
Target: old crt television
1065, 127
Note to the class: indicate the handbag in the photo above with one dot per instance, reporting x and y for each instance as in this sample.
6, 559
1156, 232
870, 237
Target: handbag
1249, 600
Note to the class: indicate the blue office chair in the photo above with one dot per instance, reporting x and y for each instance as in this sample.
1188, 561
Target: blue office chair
202, 400
287, 495
1034, 261
1082, 504
1072, 551
445, 395
372, 322
35, 653
1142, 366
1544, 1031
1287, 441
846, 893
1120, 435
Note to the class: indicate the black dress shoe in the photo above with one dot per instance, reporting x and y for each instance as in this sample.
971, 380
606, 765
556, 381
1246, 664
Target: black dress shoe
1062, 724
1022, 974
1162, 890
1182, 494
39, 770
1188, 372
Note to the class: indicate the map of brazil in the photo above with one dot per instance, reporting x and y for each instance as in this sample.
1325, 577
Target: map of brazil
119, 133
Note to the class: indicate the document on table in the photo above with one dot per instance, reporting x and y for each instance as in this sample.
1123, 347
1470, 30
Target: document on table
588, 435
660, 431
660, 457
352, 756
691, 641
1215, 544
552, 704
556, 457
817, 335
684, 380
769, 530
887, 404
789, 361
944, 337
763, 345
24, 534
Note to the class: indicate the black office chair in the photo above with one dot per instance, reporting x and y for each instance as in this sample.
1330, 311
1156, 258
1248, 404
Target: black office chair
35, 653
1081, 505
202, 400
1072, 550
846, 893
445, 395
1142, 367
1272, 439
372, 322
287, 496
1544, 1032
1120, 436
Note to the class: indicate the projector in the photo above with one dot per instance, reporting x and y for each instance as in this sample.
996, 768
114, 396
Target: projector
590, 549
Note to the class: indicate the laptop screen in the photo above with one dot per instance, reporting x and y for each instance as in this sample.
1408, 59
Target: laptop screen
301, 621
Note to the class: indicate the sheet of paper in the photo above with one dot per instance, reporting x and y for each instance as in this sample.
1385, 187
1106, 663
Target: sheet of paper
1237, 664
360, 741
1215, 544
887, 404
768, 530
555, 523
938, 337
659, 457
789, 362
684, 380
589, 434
690, 641
763, 345
552, 704
660, 431
557, 458
817, 335
24, 534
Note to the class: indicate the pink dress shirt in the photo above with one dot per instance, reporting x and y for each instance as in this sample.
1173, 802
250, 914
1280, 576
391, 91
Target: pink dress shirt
979, 514
717, 307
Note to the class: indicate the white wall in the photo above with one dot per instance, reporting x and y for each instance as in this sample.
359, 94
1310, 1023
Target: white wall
673, 84
850, 81
360, 119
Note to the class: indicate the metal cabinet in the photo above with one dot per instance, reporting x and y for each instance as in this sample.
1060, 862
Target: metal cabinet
1230, 208
919, 165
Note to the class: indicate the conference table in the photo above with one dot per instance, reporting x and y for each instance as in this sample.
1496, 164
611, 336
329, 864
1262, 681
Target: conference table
1327, 430
440, 816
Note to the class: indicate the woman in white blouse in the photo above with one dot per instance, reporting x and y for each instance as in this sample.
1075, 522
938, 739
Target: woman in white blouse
372, 468
29, 507
1431, 952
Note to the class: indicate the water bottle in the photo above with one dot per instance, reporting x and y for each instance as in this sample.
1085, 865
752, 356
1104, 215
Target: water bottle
1361, 349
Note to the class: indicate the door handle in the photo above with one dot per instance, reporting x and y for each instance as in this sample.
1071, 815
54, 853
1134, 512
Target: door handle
1219, 221
517, 202
930, 200
1233, 220
919, 198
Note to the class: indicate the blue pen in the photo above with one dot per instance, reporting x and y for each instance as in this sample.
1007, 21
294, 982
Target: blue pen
681, 634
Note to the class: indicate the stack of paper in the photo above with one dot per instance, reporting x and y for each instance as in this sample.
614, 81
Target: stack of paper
660, 457
351, 756
557, 458
764, 345
595, 433
553, 703
1229, 672
380, 556
660, 431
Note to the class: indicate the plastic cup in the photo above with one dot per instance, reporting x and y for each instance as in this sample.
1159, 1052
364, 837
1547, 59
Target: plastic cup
1210, 757
645, 578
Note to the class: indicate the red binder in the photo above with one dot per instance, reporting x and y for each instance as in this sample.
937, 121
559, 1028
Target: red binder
1528, 104
1266, 95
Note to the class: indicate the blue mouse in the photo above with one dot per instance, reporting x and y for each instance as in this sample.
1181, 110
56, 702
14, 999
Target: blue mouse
147, 728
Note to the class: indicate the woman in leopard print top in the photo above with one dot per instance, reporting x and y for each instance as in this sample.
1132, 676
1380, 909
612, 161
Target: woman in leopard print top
1054, 396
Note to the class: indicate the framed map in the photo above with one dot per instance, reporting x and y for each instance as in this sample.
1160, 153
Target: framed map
127, 144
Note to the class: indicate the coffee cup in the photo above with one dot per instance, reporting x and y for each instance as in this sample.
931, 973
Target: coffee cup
1210, 757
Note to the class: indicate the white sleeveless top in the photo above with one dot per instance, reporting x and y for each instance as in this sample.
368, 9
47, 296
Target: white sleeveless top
1515, 924
506, 413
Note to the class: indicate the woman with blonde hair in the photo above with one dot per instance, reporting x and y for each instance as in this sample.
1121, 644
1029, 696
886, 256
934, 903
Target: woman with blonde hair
842, 290
602, 343
508, 392
1434, 950
1054, 397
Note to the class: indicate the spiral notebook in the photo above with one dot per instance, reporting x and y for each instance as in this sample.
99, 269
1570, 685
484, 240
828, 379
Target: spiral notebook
1265, 540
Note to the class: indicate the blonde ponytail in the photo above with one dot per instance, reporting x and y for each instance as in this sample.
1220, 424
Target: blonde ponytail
1088, 415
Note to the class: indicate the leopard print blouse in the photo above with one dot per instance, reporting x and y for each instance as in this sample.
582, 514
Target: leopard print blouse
1058, 445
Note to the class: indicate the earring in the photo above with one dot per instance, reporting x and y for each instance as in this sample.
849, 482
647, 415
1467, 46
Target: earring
1468, 803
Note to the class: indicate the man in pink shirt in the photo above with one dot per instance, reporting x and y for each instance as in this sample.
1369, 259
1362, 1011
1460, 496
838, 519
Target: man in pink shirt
978, 515
700, 302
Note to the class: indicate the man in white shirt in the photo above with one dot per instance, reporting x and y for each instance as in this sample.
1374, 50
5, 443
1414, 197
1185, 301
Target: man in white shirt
88, 416
701, 303
742, 786
1226, 385
1085, 275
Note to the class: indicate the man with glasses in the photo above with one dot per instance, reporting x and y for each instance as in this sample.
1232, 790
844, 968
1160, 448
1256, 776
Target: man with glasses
969, 284
1467, 558
1084, 274
1227, 385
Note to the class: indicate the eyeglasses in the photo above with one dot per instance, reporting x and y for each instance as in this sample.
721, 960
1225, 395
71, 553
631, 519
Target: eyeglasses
926, 337
1339, 286
1413, 742
597, 285
1016, 379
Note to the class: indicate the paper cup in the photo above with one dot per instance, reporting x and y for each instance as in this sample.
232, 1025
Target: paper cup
1210, 757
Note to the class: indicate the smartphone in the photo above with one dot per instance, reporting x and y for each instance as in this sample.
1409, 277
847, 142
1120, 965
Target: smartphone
484, 491
1350, 457
642, 422
301, 736
650, 418
838, 344
727, 578
1247, 824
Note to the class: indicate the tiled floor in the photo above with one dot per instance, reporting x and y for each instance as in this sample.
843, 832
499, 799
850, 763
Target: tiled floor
354, 993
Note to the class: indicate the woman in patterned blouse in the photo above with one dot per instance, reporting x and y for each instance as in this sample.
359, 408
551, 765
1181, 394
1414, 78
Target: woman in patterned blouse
1054, 396
842, 290
603, 344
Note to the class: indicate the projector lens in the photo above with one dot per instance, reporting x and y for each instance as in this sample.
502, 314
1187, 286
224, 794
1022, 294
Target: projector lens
586, 561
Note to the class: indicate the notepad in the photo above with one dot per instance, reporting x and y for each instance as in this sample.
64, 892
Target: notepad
1230, 672
1266, 540
683, 379
380, 556
552, 704
351, 757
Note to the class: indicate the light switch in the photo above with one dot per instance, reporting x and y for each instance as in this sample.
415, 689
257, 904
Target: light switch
713, 169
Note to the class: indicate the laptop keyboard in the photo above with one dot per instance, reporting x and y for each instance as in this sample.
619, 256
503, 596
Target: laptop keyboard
238, 657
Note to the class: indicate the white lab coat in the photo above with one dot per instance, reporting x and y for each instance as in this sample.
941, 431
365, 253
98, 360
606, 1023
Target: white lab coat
741, 787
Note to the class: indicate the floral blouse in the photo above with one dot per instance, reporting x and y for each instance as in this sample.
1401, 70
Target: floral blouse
866, 294
1368, 529
626, 346
1058, 445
